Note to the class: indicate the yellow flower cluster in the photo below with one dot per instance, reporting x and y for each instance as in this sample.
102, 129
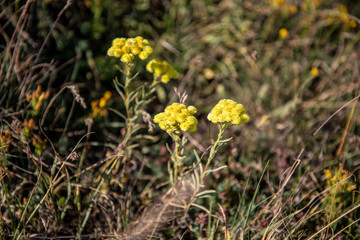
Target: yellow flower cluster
29, 125
343, 17
5, 140
283, 33
177, 118
37, 99
309, 4
339, 176
228, 112
39, 145
98, 106
128, 48
283, 6
314, 72
162, 69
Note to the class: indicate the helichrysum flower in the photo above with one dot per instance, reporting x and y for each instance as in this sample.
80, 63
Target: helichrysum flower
341, 177
177, 118
37, 99
29, 125
228, 112
5, 140
314, 72
98, 106
283, 32
127, 49
162, 69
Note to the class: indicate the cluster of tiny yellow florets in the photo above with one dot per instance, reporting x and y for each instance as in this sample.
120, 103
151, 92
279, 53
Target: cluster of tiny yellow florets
228, 112
284, 6
177, 118
162, 69
342, 17
98, 106
128, 48
340, 175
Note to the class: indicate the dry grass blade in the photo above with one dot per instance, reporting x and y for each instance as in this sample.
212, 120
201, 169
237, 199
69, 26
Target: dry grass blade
334, 221
337, 111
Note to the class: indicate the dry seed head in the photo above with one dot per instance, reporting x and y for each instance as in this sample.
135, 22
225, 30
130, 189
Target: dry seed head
75, 91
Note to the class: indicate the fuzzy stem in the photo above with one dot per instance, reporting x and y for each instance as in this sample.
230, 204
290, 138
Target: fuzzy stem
127, 81
212, 151
177, 159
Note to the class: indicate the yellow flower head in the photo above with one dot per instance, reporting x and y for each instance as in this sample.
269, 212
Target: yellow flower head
5, 140
341, 177
292, 9
177, 118
283, 32
228, 112
29, 125
99, 106
127, 49
314, 72
162, 69
37, 99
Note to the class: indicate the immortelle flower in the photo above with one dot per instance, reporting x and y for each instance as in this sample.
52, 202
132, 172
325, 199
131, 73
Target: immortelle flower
176, 119
127, 49
314, 72
99, 106
37, 99
341, 177
283, 32
162, 69
228, 112
5, 140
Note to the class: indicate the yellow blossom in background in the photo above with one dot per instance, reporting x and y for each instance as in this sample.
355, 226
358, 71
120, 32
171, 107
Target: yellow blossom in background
338, 177
177, 118
127, 49
228, 112
292, 9
283, 6
278, 3
98, 106
310, 4
162, 70
37, 99
208, 73
314, 72
283, 32
39, 145
343, 17
351, 23
5, 140
29, 125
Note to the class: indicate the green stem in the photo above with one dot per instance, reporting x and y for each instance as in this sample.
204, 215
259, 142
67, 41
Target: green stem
127, 82
177, 159
212, 151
